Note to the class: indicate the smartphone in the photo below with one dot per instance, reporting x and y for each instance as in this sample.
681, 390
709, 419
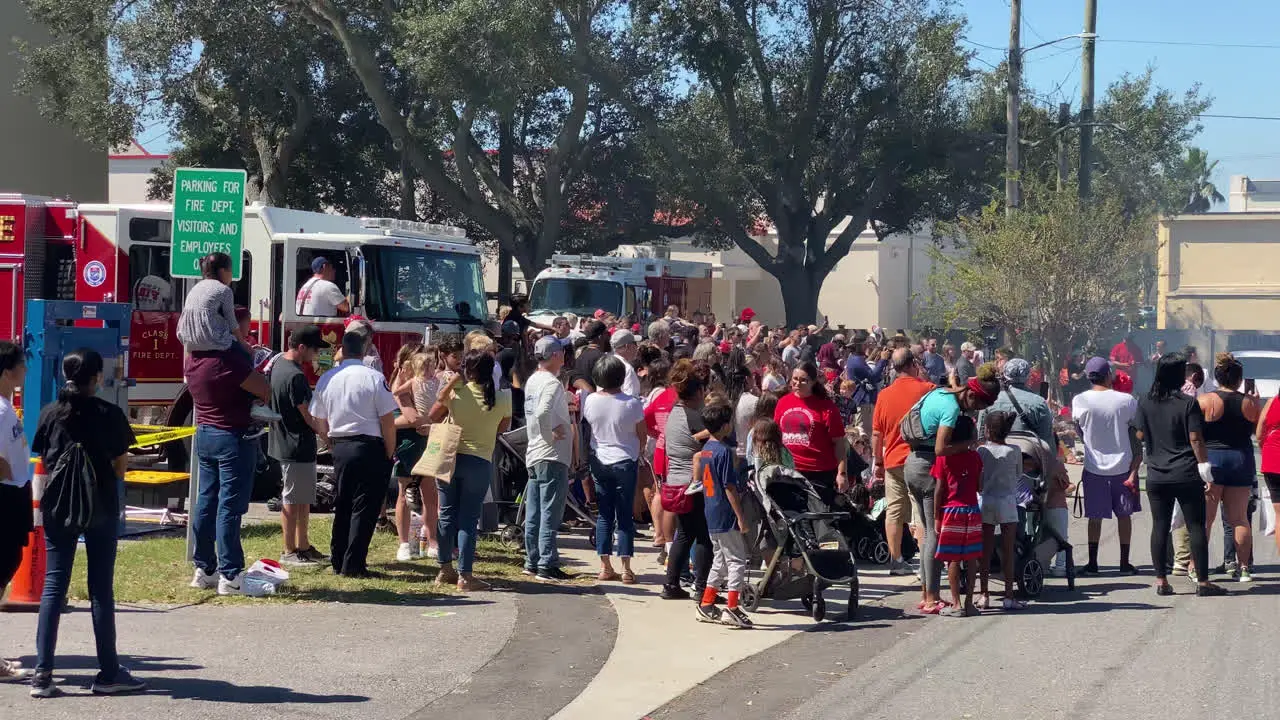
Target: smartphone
1250, 387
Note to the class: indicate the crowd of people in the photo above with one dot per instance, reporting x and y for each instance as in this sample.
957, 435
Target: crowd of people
662, 421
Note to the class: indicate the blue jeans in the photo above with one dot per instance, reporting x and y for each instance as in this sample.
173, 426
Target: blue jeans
461, 501
615, 496
544, 497
100, 554
227, 462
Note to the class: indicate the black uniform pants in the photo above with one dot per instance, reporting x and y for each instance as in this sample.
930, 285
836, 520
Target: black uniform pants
361, 469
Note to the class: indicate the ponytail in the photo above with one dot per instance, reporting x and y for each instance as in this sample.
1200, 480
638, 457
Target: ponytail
477, 367
80, 368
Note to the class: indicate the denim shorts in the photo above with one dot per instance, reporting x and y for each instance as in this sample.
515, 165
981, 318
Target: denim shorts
1233, 468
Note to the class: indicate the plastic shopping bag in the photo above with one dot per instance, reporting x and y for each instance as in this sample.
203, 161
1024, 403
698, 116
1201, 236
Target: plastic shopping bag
1178, 519
1268, 510
263, 577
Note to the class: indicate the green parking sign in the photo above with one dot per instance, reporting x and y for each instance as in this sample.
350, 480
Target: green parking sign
208, 217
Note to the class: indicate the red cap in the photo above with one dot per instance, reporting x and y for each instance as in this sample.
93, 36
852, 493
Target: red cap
353, 318
830, 374
598, 314
747, 314
635, 328
1122, 382
725, 347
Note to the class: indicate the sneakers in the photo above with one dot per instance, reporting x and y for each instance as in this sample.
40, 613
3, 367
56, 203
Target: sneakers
123, 682
1090, 569
431, 553
405, 553
1246, 574
526, 570
1128, 569
201, 581
314, 555
262, 413
735, 617
231, 587
662, 557
899, 568
295, 559
13, 670
42, 685
709, 614
674, 592
554, 575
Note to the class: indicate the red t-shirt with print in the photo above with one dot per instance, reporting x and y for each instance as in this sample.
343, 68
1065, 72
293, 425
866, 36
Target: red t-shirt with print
810, 428
655, 420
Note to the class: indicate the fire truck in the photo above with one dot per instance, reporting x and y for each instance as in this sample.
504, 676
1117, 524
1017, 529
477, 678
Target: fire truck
638, 286
403, 276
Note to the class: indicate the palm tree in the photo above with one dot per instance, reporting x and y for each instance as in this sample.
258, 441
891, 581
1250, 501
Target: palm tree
1202, 194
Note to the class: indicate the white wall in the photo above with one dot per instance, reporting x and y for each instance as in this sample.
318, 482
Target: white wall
127, 178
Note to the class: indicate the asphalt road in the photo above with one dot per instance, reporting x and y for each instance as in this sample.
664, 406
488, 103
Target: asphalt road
1111, 649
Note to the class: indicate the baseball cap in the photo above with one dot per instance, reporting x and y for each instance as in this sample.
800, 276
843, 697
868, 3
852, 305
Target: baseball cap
510, 327
1097, 366
308, 336
622, 337
747, 314
726, 347
318, 264
546, 347
598, 314
1122, 382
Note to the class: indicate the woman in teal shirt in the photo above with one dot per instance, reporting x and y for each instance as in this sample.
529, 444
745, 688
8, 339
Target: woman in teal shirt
939, 411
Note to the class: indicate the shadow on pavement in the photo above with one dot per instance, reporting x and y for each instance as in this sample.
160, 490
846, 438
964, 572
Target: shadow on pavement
375, 596
140, 664
221, 691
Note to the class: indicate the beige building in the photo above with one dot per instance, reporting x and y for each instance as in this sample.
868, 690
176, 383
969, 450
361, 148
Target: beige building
1220, 271
37, 156
128, 170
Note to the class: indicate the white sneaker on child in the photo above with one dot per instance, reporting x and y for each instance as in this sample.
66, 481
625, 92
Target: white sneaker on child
405, 553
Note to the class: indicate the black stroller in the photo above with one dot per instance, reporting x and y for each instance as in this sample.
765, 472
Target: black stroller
802, 550
508, 492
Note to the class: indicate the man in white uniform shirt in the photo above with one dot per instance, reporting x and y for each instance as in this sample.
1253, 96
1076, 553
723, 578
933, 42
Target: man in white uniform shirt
624, 346
356, 411
319, 296
15, 483
550, 428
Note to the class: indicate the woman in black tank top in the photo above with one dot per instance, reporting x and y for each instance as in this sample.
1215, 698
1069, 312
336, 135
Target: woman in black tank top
1230, 419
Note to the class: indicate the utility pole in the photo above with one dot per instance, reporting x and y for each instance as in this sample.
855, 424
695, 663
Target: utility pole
1012, 190
1064, 119
1089, 41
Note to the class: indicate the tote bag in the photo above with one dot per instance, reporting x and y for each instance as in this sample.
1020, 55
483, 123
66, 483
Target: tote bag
441, 455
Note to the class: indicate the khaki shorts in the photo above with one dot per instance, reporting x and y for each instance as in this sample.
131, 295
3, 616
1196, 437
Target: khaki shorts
862, 418
897, 501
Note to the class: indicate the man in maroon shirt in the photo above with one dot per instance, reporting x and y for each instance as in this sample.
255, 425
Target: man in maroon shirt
222, 386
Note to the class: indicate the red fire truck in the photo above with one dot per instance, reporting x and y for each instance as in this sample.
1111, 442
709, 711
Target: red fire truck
403, 276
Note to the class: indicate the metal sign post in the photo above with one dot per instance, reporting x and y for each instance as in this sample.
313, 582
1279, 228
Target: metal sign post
208, 217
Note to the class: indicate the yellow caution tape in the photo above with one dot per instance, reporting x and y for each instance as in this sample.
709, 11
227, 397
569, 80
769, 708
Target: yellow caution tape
154, 477
156, 438
141, 429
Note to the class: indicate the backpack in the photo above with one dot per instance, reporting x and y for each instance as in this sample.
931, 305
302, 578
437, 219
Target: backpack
912, 427
68, 501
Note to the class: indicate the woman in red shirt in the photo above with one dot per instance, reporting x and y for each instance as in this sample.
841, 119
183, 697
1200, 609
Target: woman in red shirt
1269, 444
812, 429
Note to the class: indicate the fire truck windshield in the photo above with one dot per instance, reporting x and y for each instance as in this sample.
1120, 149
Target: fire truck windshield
412, 285
561, 295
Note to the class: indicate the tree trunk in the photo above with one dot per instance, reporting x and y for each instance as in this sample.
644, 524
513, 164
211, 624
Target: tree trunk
507, 173
408, 197
800, 290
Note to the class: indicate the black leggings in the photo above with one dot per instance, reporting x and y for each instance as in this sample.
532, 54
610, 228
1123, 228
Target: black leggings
691, 535
1190, 496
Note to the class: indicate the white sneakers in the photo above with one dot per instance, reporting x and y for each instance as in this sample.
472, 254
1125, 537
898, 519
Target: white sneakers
230, 587
201, 581
406, 552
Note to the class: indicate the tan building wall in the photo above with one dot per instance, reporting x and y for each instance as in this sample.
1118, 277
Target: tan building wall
1219, 271
37, 156
129, 170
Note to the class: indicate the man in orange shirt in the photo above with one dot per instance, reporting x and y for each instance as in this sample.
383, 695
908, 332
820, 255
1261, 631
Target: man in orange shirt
890, 452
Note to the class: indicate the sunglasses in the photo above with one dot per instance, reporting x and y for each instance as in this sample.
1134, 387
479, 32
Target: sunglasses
800, 379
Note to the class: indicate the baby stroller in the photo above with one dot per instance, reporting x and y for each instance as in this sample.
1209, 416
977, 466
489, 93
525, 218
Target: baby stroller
870, 542
803, 551
508, 493
1037, 542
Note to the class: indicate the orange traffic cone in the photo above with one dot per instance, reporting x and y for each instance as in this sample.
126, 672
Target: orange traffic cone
28, 582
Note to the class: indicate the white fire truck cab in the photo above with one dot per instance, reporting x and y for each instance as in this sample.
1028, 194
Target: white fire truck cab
637, 286
402, 276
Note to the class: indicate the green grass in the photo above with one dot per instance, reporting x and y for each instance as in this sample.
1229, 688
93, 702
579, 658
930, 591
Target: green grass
155, 570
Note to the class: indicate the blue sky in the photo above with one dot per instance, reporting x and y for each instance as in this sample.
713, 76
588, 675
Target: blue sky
1241, 81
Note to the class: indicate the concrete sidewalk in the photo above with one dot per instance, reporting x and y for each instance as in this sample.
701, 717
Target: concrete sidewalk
661, 651
329, 660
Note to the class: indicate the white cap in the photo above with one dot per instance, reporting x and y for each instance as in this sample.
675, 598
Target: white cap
620, 338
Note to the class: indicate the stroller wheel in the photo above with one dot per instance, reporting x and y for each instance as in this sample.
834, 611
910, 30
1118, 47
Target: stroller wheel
1030, 577
807, 602
512, 536
852, 612
862, 548
750, 599
880, 553
819, 603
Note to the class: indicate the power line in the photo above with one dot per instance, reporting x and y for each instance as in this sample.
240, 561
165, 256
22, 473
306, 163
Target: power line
1238, 117
1186, 43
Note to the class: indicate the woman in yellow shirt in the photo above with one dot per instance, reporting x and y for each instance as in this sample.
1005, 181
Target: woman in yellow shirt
474, 403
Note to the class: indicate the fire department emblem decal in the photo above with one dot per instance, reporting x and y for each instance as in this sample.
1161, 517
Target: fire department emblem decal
95, 273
